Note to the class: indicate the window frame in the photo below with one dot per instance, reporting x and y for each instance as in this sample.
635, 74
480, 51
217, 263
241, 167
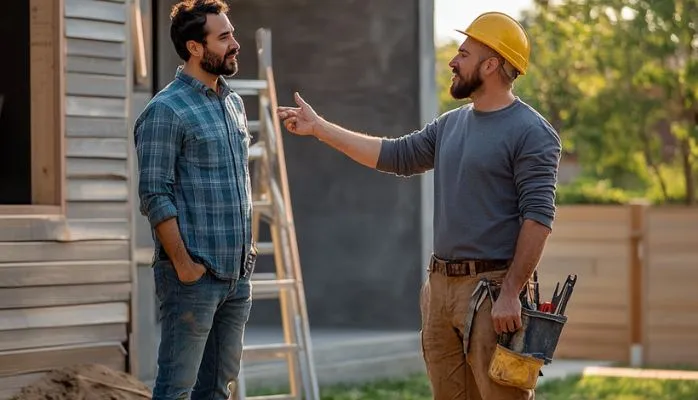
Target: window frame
44, 218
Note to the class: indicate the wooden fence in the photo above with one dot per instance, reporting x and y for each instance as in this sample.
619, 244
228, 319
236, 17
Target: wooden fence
637, 268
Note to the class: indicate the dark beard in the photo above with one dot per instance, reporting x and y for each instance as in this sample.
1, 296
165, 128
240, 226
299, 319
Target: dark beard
216, 65
464, 89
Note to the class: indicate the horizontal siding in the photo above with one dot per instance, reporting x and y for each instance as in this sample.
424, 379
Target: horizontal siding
91, 168
94, 65
103, 209
67, 295
593, 243
47, 273
95, 10
94, 30
109, 354
97, 49
95, 85
671, 318
72, 251
85, 106
97, 190
97, 148
95, 127
62, 336
68, 302
49, 317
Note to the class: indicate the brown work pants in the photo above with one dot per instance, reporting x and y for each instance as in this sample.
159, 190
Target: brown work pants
444, 305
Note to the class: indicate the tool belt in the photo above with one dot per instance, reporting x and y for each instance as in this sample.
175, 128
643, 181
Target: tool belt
466, 267
519, 355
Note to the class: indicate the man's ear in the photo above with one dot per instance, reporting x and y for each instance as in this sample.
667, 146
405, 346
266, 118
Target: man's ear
491, 65
195, 49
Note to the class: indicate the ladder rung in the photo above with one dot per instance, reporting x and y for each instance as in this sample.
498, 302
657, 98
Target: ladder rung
263, 206
256, 151
270, 289
272, 397
268, 351
253, 125
265, 248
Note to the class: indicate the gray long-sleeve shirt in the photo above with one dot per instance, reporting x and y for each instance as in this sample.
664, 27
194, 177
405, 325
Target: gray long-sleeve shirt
492, 170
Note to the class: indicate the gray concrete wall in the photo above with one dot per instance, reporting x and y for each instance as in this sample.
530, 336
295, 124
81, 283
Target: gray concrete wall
359, 231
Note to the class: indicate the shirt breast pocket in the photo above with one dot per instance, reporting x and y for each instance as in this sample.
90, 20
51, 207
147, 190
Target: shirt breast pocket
207, 149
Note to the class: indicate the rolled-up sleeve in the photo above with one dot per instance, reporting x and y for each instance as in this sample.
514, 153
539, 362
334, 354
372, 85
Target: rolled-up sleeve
157, 137
409, 154
535, 174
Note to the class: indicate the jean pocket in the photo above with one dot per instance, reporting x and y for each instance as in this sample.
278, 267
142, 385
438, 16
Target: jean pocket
192, 283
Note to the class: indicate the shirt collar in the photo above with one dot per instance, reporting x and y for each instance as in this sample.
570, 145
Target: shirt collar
223, 87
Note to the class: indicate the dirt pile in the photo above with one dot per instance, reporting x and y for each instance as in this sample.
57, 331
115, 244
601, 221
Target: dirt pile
85, 382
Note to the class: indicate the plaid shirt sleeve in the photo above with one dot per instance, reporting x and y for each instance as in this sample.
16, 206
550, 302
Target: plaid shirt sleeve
157, 137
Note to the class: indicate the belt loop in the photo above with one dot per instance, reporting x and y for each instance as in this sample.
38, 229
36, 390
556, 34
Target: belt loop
471, 268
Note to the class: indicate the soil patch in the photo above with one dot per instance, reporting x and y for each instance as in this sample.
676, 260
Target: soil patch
85, 382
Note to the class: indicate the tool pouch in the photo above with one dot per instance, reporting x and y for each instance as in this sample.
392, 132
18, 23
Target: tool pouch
510, 368
538, 335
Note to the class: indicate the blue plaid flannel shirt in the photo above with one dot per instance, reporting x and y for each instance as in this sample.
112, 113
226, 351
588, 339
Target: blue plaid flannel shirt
192, 146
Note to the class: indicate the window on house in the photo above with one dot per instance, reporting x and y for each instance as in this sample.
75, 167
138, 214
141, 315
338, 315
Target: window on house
30, 106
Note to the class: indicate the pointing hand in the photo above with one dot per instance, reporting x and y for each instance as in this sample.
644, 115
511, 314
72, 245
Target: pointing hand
301, 120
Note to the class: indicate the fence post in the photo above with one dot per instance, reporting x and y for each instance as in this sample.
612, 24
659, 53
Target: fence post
637, 229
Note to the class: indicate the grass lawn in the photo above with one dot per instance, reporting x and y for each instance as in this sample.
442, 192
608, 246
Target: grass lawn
574, 388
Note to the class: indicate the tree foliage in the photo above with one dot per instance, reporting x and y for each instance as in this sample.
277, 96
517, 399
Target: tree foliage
619, 80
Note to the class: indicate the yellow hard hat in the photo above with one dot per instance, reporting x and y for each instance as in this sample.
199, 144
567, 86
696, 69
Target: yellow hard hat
504, 35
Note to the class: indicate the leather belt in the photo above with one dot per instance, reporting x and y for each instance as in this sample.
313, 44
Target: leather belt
466, 267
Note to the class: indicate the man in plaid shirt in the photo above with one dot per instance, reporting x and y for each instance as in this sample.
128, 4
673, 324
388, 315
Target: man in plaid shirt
192, 145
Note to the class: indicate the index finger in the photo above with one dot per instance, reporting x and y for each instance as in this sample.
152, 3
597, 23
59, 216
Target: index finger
285, 109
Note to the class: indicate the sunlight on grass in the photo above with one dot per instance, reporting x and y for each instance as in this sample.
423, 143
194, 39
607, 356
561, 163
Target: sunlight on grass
574, 388
604, 388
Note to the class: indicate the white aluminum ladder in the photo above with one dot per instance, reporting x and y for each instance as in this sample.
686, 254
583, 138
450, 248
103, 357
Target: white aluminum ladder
272, 206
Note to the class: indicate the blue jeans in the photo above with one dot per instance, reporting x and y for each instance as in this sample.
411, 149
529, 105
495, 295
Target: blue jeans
202, 330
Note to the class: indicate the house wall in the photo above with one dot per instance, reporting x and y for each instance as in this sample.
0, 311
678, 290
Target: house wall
65, 293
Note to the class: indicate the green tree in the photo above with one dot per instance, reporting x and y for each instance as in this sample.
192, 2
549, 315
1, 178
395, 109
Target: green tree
619, 80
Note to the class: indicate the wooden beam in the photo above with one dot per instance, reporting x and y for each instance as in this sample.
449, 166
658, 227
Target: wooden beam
116, 250
110, 354
49, 317
636, 309
18, 210
46, 100
48, 273
61, 336
24, 297
32, 228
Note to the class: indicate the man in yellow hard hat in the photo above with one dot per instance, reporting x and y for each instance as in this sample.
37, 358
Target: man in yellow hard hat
495, 167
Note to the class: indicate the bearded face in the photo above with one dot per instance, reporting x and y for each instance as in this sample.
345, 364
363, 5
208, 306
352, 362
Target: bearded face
220, 64
463, 84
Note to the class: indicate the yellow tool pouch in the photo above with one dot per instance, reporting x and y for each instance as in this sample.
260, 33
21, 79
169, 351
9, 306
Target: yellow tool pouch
509, 368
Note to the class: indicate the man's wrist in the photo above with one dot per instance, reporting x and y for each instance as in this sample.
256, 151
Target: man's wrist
508, 288
320, 128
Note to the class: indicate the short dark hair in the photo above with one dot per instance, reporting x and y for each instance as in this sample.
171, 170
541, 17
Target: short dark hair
188, 22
